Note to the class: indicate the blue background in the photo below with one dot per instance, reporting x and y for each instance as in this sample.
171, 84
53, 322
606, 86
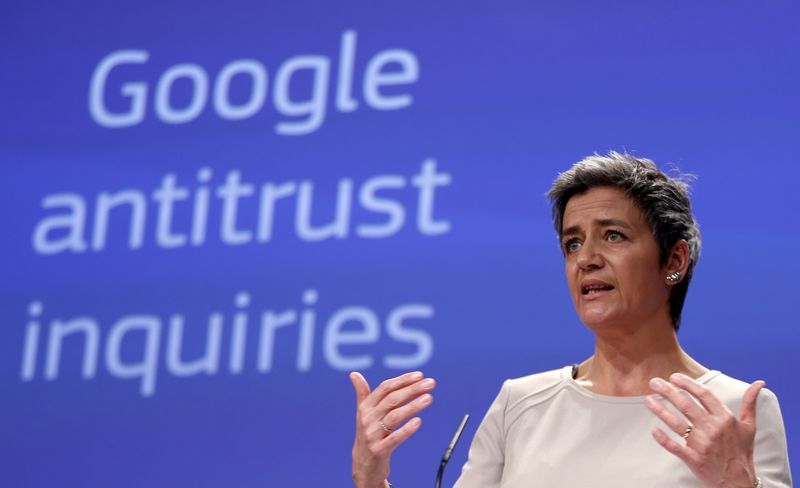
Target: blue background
508, 95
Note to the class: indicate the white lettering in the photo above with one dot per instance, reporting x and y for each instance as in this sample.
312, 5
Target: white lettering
200, 211
208, 363
427, 181
270, 322
146, 369
314, 107
107, 201
132, 346
175, 226
376, 77
305, 343
257, 73
335, 337
369, 200
270, 194
386, 72
344, 86
230, 193
31, 341
396, 330
338, 228
58, 330
166, 196
239, 334
197, 75
72, 222
136, 91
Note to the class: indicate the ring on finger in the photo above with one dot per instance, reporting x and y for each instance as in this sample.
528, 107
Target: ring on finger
687, 432
385, 427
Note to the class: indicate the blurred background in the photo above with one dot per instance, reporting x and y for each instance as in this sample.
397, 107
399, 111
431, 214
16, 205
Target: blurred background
214, 212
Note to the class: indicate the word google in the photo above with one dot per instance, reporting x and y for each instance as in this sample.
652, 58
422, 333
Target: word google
126, 105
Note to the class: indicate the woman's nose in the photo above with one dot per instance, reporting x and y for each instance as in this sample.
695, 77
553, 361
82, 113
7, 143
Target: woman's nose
589, 257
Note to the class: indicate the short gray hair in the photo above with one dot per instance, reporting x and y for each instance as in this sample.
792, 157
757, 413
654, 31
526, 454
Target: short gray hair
663, 200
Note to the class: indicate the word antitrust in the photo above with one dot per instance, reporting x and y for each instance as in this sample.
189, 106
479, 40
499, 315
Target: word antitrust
78, 224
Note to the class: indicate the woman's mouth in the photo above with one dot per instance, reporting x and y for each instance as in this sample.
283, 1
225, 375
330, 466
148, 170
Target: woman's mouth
589, 289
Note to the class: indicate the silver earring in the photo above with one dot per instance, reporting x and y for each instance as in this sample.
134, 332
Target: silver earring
674, 277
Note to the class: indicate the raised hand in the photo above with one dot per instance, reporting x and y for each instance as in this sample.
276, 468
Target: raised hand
380, 421
719, 446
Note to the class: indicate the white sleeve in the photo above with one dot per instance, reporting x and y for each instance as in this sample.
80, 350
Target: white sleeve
484, 466
771, 455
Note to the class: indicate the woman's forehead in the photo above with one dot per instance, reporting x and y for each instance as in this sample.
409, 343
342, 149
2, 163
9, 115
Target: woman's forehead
601, 203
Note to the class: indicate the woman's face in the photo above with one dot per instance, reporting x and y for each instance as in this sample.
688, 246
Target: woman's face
612, 261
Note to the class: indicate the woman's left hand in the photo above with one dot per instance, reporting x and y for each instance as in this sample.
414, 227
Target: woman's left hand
719, 446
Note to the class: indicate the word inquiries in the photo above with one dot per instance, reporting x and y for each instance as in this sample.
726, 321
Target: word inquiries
234, 342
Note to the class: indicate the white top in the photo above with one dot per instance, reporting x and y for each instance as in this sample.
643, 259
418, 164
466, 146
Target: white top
545, 430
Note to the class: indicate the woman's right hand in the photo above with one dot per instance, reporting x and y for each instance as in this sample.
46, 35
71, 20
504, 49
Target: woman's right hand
392, 403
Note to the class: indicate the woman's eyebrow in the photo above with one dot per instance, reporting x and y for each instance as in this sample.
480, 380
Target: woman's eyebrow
575, 229
612, 223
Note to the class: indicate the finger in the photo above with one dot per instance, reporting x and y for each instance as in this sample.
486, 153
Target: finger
398, 398
401, 414
748, 412
360, 385
400, 435
682, 402
681, 452
390, 385
675, 423
707, 398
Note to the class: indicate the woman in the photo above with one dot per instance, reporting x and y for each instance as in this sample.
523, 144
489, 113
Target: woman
640, 412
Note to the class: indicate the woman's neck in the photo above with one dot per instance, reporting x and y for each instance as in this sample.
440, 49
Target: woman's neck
623, 366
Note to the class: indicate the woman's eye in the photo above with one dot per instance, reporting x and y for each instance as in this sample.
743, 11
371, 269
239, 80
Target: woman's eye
572, 245
615, 236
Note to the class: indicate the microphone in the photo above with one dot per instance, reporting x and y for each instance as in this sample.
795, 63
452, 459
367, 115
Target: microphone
449, 451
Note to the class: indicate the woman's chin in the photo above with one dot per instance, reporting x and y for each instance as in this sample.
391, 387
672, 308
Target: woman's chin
596, 319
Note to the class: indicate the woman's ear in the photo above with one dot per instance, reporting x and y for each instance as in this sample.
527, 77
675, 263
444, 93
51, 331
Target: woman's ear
677, 262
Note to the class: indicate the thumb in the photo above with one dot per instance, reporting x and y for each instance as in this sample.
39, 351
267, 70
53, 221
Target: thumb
360, 385
748, 413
